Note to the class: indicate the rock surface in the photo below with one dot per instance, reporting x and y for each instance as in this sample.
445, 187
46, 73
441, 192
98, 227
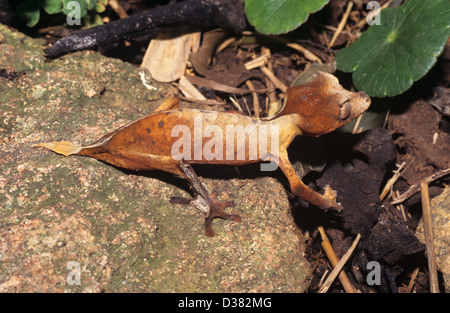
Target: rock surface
78, 225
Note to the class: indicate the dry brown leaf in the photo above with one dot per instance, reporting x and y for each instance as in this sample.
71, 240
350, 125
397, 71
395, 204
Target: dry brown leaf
168, 53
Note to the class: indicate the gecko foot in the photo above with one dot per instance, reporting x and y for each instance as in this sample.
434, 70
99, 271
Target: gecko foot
208, 204
211, 208
331, 195
217, 210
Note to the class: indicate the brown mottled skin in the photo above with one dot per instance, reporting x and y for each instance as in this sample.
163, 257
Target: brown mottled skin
312, 109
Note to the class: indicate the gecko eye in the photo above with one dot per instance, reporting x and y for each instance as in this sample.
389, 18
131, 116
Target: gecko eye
345, 109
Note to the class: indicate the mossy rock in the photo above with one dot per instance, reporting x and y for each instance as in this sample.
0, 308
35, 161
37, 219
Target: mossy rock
118, 227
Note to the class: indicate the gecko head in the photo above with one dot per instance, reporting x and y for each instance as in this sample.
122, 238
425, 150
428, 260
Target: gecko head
324, 105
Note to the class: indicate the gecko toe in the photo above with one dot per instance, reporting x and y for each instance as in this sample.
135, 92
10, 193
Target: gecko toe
331, 196
217, 210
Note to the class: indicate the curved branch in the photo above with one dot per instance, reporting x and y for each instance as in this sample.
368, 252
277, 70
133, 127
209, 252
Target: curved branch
205, 13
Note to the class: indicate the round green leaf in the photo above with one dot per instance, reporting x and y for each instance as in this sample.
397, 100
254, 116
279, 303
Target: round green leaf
90, 4
93, 19
280, 16
29, 11
99, 7
52, 6
389, 57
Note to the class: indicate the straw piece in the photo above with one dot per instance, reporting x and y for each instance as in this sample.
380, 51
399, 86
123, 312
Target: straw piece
308, 54
412, 281
256, 108
342, 23
236, 104
391, 181
225, 44
339, 266
323, 278
401, 207
257, 62
204, 82
273, 79
206, 102
428, 233
343, 278
189, 90
115, 5
415, 188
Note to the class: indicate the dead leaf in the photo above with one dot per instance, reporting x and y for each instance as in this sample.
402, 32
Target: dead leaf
168, 53
202, 58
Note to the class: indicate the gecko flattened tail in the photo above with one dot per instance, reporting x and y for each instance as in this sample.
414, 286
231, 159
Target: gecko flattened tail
62, 147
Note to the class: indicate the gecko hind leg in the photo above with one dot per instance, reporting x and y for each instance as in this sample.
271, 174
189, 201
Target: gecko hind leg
206, 203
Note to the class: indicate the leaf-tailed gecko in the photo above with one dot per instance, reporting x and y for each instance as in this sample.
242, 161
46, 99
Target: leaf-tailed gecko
154, 142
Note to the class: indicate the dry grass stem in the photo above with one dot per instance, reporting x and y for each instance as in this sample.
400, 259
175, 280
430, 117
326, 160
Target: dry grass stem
189, 90
117, 7
207, 101
236, 104
342, 23
274, 79
322, 278
412, 280
416, 188
429, 241
390, 183
355, 128
257, 62
339, 266
204, 82
225, 44
256, 107
400, 207
326, 245
308, 54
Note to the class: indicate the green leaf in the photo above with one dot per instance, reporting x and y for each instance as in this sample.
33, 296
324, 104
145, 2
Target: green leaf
29, 11
52, 6
92, 20
280, 16
389, 57
100, 7
90, 4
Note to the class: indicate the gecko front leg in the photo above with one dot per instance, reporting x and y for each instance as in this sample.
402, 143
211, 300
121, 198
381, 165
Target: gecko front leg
206, 203
325, 201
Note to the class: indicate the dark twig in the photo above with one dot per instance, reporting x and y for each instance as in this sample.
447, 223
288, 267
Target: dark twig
204, 13
416, 188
